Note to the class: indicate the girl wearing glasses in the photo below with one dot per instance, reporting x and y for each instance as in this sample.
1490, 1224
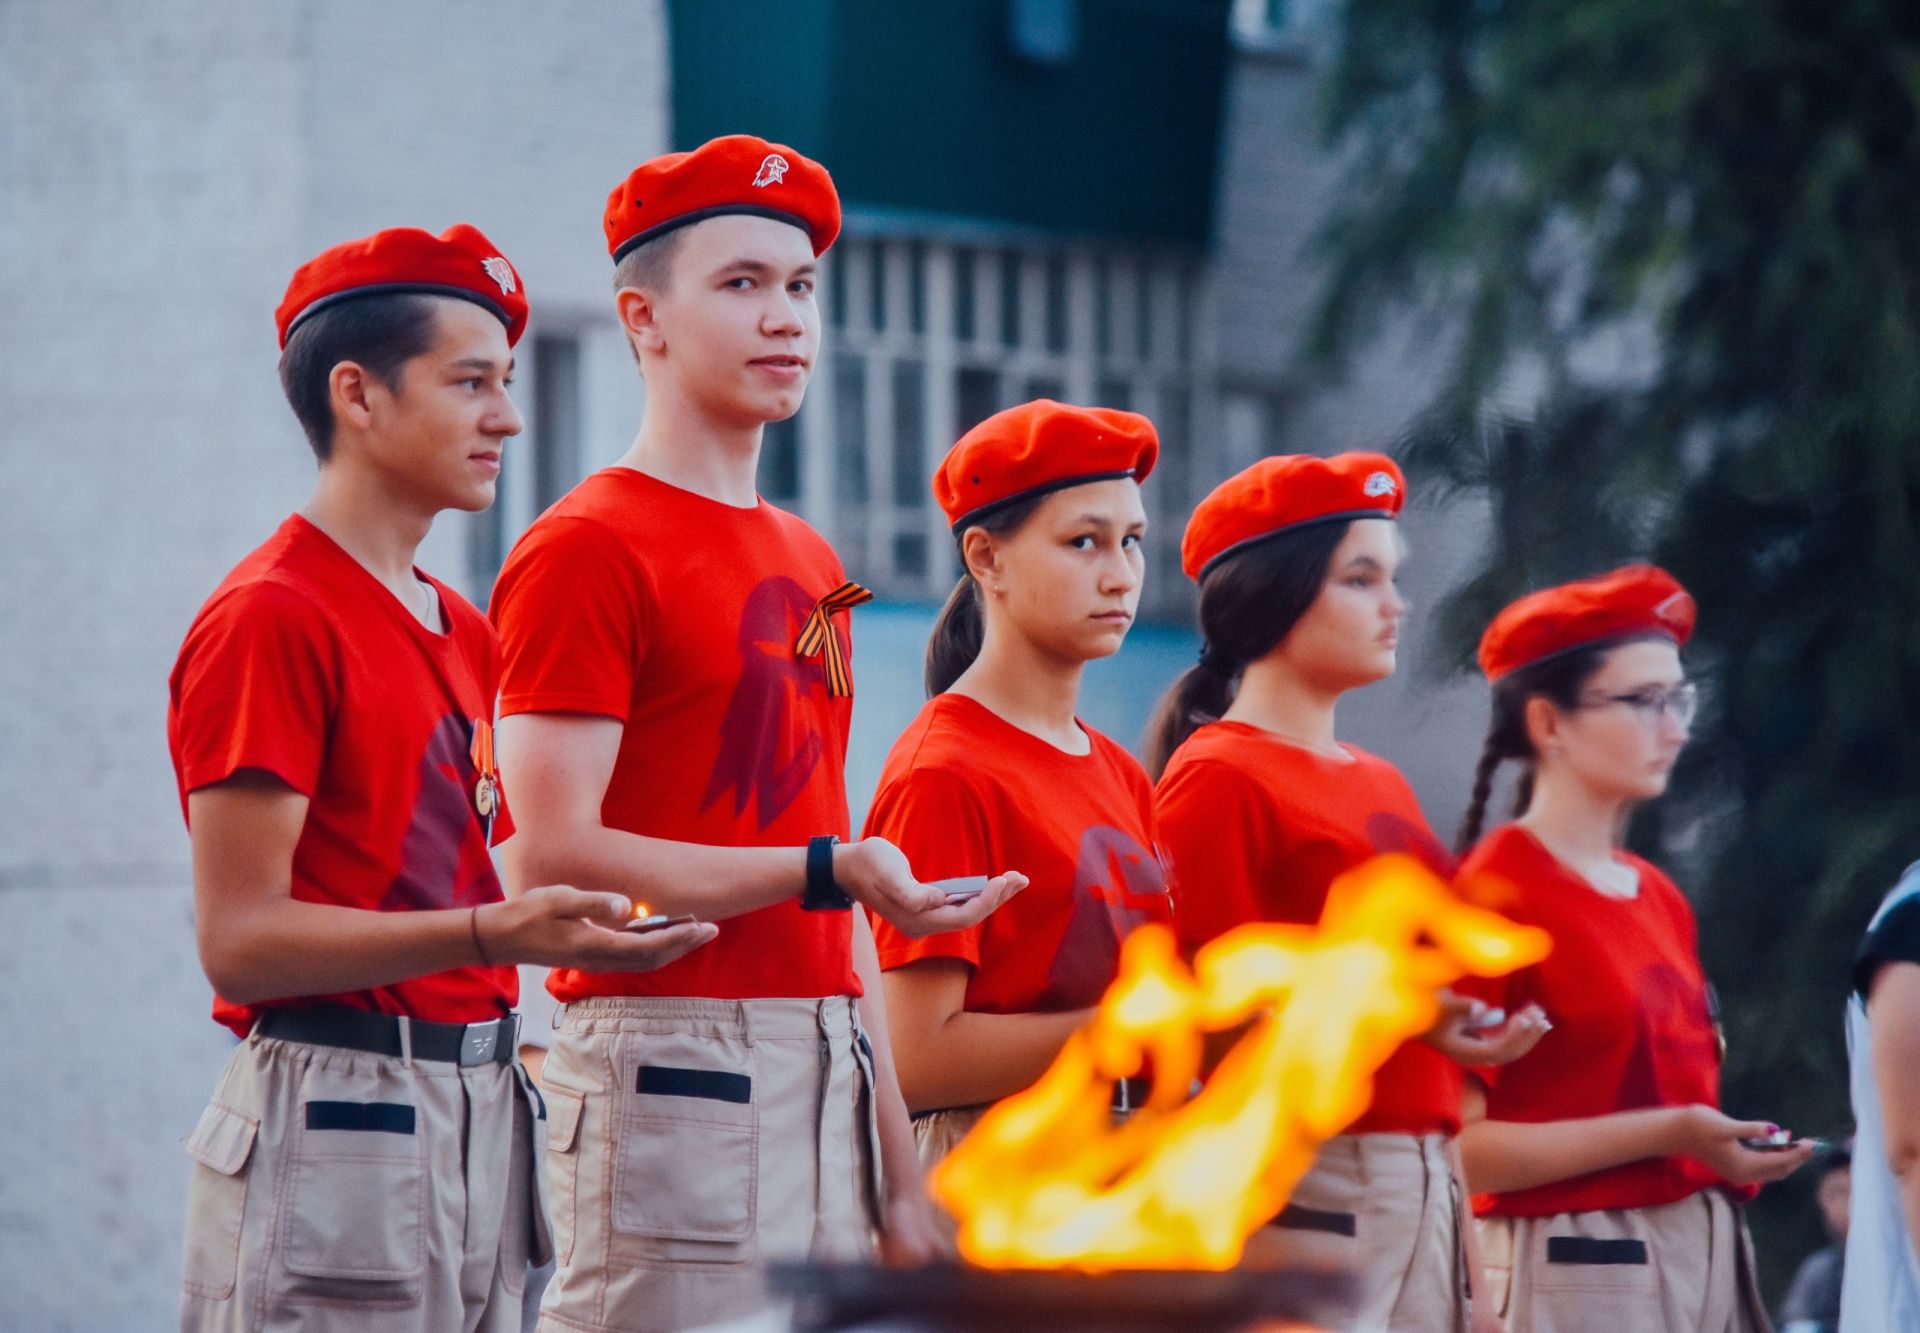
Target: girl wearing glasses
1607, 1179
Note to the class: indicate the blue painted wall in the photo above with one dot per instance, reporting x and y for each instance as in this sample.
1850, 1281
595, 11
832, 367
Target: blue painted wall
890, 642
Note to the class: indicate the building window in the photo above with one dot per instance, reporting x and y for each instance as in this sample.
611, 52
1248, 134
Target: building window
556, 417
780, 462
932, 335
850, 395
546, 462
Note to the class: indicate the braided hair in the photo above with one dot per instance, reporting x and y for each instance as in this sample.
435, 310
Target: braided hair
1249, 602
1559, 679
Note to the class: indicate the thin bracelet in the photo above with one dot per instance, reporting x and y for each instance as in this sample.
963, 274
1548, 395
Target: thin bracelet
473, 929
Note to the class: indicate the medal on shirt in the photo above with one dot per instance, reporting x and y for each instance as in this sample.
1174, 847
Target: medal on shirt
486, 783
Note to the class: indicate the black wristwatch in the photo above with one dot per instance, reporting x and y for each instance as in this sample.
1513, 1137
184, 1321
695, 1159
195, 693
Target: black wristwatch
823, 892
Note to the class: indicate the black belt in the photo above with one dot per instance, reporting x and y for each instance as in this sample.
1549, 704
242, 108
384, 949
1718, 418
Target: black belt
1129, 1094
492, 1042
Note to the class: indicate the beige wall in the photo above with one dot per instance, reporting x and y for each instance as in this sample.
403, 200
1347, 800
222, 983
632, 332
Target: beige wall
166, 165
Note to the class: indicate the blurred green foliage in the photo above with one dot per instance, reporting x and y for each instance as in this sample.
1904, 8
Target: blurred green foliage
1673, 250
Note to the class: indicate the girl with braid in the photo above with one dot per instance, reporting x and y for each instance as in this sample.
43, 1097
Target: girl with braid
1608, 1181
1261, 808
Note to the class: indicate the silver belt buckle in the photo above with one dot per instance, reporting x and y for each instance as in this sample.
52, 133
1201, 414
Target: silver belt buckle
480, 1042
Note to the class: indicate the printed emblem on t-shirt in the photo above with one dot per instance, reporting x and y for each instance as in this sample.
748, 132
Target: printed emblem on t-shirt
769, 747
439, 865
1117, 885
1390, 832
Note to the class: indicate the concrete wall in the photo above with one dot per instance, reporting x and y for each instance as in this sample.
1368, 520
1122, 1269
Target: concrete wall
164, 166
167, 166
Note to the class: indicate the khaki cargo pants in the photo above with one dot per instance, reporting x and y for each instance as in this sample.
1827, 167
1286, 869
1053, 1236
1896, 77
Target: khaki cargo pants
693, 1141
1683, 1267
334, 1189
937, 1133
1387, 1207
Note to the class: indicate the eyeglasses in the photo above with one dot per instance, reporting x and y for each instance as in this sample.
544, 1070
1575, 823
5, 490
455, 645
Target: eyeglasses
1682, 701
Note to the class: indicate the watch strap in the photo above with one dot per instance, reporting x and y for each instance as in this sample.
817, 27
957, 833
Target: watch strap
823, 893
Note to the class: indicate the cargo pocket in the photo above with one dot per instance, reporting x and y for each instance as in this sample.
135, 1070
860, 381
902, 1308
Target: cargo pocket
356, 1200
1320, 1225
220, 1146
1496, 1260
542, 1250
686, 1169
1593, 1284
525, 1240
562, 1174
867, 1128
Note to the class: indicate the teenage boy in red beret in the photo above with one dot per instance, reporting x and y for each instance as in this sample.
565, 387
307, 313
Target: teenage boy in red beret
675, 693
369, 1157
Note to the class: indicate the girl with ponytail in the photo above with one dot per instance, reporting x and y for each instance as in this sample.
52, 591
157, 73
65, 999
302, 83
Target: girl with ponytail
998, 771
1603, 1164
1260, 808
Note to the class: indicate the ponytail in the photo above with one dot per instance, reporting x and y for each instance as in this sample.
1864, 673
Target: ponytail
1476, 817
1197, 698
1560, 680
956, 638
1249, 602
961, 626
1523, 791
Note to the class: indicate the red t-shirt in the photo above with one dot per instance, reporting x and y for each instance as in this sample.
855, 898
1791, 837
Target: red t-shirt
1632, 1026
1258, 829
676, 614
303, 666
964, 792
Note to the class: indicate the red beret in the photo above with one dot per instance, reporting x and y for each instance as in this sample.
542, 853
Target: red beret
458, 262
1038, 447
1633, 602
734, 174
1289, 491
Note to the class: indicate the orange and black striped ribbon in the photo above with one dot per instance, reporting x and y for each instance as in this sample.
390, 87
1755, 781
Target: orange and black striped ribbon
481, 751
817, 636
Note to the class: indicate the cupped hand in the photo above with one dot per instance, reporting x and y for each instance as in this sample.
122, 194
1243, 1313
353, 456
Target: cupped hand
561, 926
1464, 1035
1712, 1138
875, 874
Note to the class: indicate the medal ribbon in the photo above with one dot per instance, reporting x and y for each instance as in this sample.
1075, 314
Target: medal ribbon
482, 751
818, 639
